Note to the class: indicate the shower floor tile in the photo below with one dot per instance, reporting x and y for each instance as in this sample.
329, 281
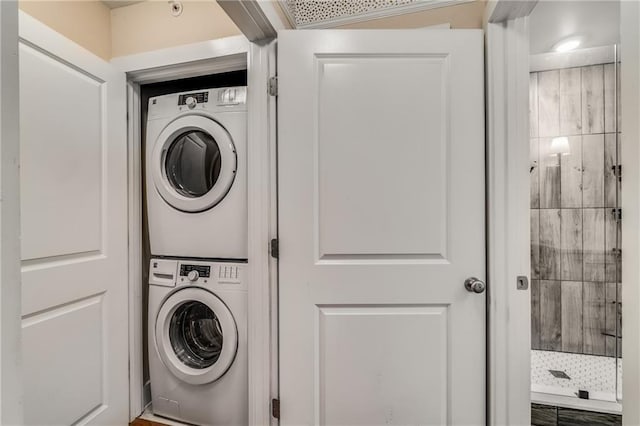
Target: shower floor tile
596, 374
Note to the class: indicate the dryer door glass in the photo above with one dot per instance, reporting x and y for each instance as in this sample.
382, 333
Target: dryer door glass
196, 335
193, 163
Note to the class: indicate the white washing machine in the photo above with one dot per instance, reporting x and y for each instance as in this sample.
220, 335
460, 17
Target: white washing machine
198, 341
196, 174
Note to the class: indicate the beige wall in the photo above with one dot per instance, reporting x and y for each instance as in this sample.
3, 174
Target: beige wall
88, 23
466, 15
149, 26
131, 29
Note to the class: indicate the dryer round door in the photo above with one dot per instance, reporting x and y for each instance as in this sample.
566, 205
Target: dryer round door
194, 163
196, 335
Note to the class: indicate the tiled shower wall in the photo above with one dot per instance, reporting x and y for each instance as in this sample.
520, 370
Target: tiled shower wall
575, 257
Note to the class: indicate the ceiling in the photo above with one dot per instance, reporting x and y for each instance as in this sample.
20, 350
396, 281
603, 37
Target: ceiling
597, 23
112, 4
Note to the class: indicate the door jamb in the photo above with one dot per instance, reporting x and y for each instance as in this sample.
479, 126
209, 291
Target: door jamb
11, 389
186, 61
508, 251
630, 127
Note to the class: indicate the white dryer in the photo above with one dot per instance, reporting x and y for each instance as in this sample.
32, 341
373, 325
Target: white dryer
198, 341
196, 174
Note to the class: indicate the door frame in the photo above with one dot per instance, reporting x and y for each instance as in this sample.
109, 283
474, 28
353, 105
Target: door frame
630, 98
226, 54
10, 270
508, 227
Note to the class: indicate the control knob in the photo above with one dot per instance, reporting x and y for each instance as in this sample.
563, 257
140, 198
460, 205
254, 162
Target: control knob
193, 276
191, 102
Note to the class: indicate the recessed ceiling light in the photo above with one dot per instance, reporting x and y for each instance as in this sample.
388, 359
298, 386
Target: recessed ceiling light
567, 45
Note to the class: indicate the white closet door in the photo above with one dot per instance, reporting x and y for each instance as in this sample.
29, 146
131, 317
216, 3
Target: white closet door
74, 232
381, 221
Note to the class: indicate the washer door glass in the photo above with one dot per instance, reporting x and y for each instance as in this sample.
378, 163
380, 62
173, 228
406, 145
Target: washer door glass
193, 163
196, 335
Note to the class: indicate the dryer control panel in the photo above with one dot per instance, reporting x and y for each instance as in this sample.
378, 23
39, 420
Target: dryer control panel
221, 99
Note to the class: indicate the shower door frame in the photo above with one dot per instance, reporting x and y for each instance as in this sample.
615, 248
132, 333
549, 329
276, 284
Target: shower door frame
507, 86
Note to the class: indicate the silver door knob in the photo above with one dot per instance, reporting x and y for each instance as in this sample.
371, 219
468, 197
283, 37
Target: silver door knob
474, 285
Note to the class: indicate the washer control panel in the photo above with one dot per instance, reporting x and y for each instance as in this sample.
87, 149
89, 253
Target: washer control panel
200, 270
176, 272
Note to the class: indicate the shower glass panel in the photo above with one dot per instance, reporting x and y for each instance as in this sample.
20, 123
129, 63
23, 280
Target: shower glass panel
575, 230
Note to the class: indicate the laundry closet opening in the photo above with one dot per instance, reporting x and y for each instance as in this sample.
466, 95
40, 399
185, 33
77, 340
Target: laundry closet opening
198, 163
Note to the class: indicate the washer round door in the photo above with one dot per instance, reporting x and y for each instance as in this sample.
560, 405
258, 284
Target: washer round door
196, 335
194, 163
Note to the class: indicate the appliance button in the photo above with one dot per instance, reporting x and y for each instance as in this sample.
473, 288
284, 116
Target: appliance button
193, 275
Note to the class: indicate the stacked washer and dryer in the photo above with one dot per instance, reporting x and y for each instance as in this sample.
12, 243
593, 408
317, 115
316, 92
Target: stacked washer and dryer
197, 214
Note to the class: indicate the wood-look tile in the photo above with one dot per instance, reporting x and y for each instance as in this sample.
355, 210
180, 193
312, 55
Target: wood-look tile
612, 239
533, 105
593, 320
535, 314
534, 172
593, 170
535, 243
612, 319
594, 244
571, 316
609, 98
610, 178
550, 315
570, 102
544, 415
549, 176
593, 99
571, 175
549, 244
570, 417
571, 244
549, 103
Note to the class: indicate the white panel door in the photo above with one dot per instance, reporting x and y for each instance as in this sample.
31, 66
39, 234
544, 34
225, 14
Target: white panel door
74, 232
381, 220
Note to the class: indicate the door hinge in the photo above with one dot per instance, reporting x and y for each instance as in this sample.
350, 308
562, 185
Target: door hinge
272, 88
617, 171
274, 247
617, 214
275, 408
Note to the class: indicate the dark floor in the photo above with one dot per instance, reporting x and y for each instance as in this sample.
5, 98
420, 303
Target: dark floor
143, 422
546, 415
